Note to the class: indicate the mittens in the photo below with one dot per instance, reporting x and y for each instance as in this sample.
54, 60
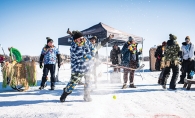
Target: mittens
87, 57
192, 73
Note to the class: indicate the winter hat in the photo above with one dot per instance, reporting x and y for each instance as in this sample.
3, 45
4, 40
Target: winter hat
187, 37
131, 38
49, 39
164, 43
172, 37
77, 34
94, 37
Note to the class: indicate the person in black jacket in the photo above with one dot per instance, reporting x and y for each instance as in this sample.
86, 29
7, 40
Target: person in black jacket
115, 56
130, 59
159, 55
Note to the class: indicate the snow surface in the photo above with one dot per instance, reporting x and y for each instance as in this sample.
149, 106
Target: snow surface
148, 100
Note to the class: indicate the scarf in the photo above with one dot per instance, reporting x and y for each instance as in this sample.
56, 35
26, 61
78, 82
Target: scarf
81, 43
187, 47
133, 48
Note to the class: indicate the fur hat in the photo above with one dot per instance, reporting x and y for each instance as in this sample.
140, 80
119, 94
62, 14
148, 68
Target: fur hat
130, 38
187, 37
172, 37
49, 39
94, 37
77, 34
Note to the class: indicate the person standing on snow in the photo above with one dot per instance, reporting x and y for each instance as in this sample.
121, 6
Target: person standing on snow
81, 54
171, 62
130, 59
187, 59
115, 56
159, 55
49, 54
96, 47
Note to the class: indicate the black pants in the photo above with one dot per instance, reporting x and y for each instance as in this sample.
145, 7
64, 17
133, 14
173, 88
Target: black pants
46, 69
175, 70
187, 67
157, 64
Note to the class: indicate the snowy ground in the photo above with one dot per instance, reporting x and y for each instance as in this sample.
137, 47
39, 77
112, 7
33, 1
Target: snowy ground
148, 100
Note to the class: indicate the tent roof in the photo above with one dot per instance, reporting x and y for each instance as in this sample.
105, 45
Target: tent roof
102, 31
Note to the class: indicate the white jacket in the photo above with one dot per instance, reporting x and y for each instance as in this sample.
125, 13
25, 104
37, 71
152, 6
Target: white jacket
187, 54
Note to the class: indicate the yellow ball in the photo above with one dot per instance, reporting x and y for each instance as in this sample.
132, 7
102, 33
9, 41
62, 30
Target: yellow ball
114, 96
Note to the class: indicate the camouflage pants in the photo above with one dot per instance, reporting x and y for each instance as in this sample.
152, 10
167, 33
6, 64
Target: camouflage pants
75, 78
133, 64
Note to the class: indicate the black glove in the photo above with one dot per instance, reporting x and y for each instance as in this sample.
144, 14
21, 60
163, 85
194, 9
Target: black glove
41, 60
163, 55
59, 60
41, 65
189, 59
59, 65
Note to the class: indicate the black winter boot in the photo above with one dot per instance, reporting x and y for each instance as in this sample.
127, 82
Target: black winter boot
64, 95
132, 86
42, 87
52, 87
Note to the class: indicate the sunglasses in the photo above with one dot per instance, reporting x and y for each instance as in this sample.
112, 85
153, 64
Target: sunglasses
82, 38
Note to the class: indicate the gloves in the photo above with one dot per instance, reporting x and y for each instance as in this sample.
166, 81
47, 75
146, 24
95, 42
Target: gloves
130, 48
87, 57
59, 60
41, 60
192, 73
140, 50
41, 66
159, 57
59, 65
189, 59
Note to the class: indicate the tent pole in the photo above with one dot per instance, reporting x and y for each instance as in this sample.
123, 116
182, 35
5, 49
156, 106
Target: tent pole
107, 58
142, 53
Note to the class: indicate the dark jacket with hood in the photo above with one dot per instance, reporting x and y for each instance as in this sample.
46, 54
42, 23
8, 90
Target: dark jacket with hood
126, 54
114, 55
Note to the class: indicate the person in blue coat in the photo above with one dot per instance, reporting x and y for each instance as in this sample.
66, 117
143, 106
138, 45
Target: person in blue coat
49, 56
81, 53
130, 59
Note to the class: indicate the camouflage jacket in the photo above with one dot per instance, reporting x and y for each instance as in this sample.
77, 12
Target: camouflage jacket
171, 52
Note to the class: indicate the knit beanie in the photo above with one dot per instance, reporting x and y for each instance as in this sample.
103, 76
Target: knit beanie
131, 38
49, 39
77, 34
172, 37
94, 37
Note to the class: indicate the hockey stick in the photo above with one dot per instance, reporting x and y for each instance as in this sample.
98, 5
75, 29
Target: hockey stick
126, 67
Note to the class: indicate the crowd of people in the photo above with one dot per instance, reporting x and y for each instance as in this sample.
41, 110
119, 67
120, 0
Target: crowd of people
169, 56
84, 59
84, 56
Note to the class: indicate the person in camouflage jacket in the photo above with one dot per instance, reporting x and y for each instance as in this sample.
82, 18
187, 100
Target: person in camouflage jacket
171, 62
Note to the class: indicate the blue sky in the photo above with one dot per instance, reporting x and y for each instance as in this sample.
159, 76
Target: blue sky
24, 24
